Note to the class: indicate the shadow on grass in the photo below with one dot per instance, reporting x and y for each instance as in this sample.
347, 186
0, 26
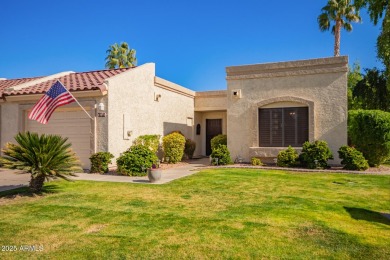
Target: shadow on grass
367, 215
48, 188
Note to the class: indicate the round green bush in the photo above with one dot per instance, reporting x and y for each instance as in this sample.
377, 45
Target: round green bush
287, 158
100, 161
352, 159
256, 161
221, 153
173, 145
218, 140
315, 155
369, 132
189, 148
136, 160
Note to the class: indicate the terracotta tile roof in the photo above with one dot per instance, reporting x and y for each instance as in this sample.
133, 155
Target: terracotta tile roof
79, 81
7, 83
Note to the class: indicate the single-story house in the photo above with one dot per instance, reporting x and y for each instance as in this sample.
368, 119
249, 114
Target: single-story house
265, 108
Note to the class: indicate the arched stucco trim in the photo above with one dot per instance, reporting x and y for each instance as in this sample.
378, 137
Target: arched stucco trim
255, 117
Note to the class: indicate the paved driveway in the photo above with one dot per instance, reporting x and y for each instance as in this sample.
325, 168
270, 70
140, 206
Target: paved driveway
11, 179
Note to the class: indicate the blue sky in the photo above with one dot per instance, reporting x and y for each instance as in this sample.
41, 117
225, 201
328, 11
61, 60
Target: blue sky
191, 42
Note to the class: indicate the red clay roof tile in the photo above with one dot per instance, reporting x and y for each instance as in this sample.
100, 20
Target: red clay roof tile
79, 81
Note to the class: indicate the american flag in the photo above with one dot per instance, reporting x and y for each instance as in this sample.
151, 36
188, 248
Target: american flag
57, 96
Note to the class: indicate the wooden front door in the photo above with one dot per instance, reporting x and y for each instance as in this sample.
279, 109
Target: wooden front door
213, 128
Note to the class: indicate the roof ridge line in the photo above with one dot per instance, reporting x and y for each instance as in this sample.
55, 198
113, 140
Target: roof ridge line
38, 81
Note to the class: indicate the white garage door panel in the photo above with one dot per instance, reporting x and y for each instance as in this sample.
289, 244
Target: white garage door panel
75, 125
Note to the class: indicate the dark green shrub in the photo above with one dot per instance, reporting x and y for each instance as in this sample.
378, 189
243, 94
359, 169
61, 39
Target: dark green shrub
150, 141
189, 148
136, 160
352, 159
173, 145
256, 161
315, 155
221, 153
288, 157
218, 140
100, 161
369, 132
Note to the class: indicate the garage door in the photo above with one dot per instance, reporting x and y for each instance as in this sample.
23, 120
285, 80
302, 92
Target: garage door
72, 124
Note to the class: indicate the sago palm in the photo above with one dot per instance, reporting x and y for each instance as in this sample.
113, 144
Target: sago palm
120, 56
44, 156
341, 13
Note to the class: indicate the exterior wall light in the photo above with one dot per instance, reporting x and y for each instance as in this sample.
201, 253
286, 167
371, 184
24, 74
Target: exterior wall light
101, 106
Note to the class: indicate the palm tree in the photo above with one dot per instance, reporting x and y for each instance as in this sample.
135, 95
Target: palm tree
45, 157
342, 13
120, 56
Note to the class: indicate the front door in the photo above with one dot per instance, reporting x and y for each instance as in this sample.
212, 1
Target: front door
213, 128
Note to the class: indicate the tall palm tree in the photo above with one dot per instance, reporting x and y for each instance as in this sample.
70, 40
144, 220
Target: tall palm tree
341, 13
120, 56
45, 157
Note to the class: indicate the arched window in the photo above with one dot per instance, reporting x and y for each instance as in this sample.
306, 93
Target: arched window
283, 126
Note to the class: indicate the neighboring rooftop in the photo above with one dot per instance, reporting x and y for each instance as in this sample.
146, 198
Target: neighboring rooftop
78, 81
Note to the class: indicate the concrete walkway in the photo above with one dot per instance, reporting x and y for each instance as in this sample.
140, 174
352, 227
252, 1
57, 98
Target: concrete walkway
167, 175
10, 179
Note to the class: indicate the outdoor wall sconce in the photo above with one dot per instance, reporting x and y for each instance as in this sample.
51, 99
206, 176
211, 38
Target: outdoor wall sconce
198, 129
101, 112
157, 97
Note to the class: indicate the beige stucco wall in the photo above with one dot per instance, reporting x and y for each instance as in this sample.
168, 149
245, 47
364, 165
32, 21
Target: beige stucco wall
320, 84
211, 100
132, 107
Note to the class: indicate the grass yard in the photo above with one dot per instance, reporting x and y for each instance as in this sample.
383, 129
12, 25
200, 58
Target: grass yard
215, 214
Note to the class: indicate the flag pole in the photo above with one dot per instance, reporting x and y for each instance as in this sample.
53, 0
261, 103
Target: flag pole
76, 100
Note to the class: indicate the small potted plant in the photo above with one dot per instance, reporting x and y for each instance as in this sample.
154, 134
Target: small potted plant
154, 173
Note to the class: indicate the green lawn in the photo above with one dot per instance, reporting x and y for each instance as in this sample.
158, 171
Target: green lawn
215, 214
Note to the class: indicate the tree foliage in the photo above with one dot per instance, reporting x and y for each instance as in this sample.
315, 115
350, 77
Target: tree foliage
378, 9
44, 156
372, 92
354, 76
120, 56
340, 13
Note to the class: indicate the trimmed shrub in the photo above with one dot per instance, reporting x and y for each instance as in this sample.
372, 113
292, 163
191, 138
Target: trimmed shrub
369, 132
173, 145
315, 155
189, 148
100, 161
288, 157
136, 160
256, 161
352, 159
150, 141
218, 140
221, 153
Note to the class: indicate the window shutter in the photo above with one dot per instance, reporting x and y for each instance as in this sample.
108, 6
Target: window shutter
281, 127
264, 127
303, 125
